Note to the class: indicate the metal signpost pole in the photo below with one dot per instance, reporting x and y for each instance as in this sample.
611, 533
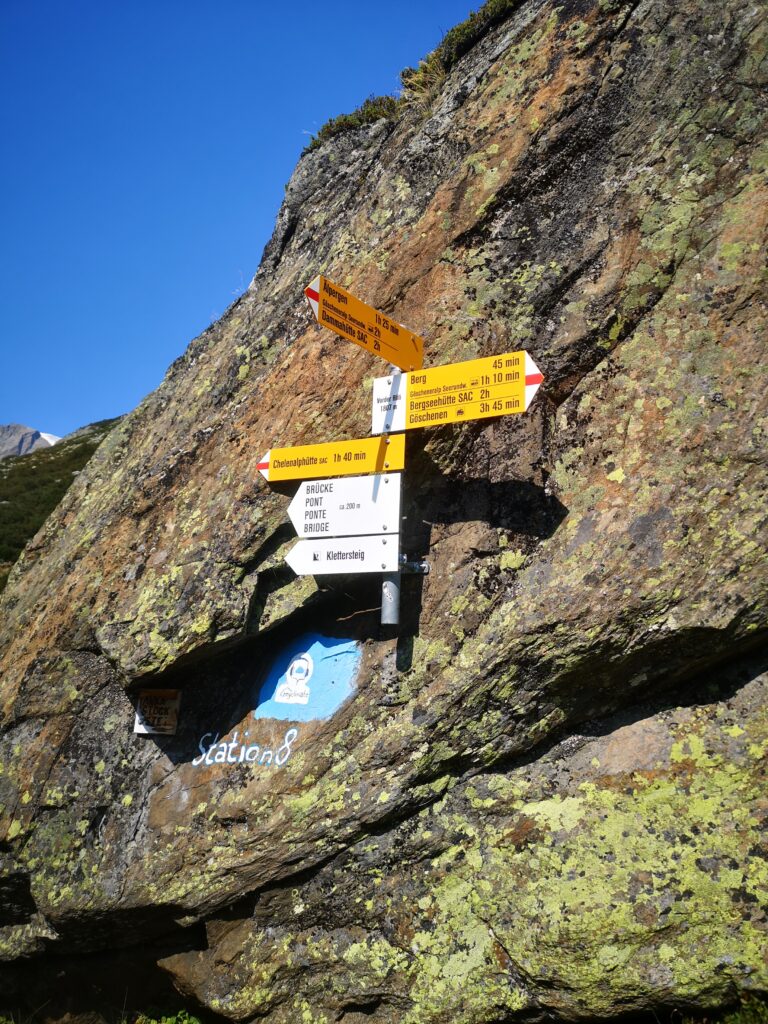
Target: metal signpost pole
390, 599
390, 583
354, 485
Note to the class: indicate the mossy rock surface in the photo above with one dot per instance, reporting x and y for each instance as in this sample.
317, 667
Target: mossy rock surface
546, 796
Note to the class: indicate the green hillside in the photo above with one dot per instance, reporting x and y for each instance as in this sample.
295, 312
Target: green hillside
31, 486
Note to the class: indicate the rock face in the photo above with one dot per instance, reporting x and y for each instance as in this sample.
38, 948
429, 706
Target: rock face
18, 440
546, 795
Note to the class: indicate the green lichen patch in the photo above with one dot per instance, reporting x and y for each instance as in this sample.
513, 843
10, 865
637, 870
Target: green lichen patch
576, 885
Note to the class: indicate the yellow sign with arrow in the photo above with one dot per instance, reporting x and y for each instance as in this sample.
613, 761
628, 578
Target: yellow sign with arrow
344, 314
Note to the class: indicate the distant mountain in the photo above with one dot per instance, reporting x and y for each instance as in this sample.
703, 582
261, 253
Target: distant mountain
31, 487
16, 439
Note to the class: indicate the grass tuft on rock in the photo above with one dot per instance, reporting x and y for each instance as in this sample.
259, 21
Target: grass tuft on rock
374, 109
462, 37
423, 83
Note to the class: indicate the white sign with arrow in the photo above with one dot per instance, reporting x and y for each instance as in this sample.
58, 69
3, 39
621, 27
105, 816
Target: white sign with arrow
347, 506
348, 555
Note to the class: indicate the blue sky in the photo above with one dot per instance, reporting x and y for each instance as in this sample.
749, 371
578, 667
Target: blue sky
146, 144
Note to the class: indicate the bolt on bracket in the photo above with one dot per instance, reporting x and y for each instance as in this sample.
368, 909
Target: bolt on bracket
411, 567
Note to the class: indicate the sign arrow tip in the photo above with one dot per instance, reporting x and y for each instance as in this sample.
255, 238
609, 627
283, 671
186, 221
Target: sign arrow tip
533, 379
312, 293
293, 558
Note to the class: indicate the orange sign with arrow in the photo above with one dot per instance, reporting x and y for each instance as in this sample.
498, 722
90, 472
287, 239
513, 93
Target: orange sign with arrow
334, 458
455, 392
344, 314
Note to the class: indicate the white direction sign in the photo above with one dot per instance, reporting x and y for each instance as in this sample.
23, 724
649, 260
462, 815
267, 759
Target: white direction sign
347, 506
348, 555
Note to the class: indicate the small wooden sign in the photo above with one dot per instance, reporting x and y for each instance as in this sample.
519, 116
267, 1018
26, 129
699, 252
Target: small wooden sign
157, 712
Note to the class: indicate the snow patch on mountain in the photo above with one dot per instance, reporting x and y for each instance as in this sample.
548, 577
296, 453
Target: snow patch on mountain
16, 439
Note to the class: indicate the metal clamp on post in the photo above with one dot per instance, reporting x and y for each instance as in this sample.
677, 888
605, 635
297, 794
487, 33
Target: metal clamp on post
413, 568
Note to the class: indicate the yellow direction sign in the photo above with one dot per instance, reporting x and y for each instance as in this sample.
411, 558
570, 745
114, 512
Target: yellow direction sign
337, 309
334, 458
479, 388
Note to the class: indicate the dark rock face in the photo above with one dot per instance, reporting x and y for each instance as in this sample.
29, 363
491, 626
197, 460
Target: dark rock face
546, 796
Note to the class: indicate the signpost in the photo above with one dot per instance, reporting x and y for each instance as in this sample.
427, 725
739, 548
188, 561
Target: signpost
349, 507
334, 458
338, 310
493, 386
349, 554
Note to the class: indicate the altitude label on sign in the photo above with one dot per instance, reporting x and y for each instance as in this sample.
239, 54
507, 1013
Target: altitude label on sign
347, 507
333, 458
477, 389
344, 314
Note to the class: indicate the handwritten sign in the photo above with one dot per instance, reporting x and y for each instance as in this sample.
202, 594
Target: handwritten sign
241, 750
157, 712
344, 314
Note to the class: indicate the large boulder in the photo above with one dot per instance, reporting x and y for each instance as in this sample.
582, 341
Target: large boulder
543, 795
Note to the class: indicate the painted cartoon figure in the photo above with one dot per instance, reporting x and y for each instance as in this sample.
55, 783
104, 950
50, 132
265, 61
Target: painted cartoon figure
294, 688
308, 680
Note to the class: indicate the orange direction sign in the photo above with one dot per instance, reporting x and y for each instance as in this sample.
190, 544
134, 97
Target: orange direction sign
334, 458
337, 309
479, 388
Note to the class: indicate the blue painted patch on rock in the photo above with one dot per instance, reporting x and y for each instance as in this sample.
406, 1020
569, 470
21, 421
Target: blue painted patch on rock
309, 680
